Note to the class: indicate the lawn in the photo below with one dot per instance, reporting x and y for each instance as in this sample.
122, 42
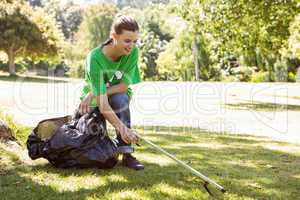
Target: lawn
248, 167
262, 106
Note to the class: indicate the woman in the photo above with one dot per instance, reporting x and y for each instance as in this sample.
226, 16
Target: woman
110, 69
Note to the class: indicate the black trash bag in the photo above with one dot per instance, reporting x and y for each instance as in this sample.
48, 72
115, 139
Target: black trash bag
80, 141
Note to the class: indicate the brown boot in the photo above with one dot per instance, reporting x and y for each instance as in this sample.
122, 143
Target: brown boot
131, 162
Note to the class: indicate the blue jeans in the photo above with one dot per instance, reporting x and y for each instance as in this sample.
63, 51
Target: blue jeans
120, 104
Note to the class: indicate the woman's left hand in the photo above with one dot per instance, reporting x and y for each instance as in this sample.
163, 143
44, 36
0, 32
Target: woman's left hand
84, 106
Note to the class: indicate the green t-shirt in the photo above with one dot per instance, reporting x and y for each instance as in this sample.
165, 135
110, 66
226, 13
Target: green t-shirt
100, 71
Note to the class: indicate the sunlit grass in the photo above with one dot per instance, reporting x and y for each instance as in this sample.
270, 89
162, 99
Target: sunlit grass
262, 106
248, 167
20, 132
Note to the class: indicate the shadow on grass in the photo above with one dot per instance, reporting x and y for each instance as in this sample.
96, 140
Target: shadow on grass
263, 106
245, 167
33, 79
29, 188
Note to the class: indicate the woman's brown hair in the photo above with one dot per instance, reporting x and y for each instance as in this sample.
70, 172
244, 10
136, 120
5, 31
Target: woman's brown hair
122, 22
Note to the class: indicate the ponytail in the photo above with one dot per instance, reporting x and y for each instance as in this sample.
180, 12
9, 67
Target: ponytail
109, 40
121, 23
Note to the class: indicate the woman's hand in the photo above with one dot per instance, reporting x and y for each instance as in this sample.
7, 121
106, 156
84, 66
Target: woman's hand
128, 135
84, 106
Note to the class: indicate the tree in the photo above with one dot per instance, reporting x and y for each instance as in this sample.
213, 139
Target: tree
96, 24
294, 40
27, 32
68, 16
252, 31
151, 47
155, 34
176, 62
71, 18
94, 29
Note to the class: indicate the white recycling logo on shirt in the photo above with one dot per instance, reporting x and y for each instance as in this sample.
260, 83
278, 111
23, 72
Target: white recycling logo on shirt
118, 76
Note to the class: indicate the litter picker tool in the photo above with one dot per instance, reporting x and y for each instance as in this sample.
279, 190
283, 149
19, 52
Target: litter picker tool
204, 178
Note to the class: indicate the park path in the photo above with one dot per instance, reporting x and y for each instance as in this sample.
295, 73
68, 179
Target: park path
188, 104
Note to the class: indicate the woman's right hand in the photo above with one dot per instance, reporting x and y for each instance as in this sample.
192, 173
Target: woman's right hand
128, 135
84, 106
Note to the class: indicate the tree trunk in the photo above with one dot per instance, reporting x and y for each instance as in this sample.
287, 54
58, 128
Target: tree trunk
11, 62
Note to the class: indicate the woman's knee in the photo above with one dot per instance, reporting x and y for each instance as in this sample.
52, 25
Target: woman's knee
119, 101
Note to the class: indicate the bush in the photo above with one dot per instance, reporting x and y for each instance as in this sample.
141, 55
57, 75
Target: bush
281, 71
243, 73
291, 77
21, 67
260, 76
230, 78
77, 70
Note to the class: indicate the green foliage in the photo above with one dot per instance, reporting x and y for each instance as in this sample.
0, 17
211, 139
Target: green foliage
233, 23
156, 33
176, 62
243, 73
21, 67
67, 15
77, 69
96, 24
20, 132
229, 78
253, 32
294, 39
151, 47
291, 77
285, 69
70, 17
260, 76
235, 39
281, 71
93, 30
27, 32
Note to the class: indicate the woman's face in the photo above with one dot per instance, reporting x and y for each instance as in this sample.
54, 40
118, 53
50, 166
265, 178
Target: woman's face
126, 41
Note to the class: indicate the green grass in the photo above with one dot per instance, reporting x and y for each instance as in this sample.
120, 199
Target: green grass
248, 167
263, 106
20, 132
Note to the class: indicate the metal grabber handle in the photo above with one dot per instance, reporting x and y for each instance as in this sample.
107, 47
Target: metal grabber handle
192, 170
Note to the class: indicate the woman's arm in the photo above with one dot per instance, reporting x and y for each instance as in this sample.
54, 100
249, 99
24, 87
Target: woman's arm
84, 106
127, 134
119, 88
